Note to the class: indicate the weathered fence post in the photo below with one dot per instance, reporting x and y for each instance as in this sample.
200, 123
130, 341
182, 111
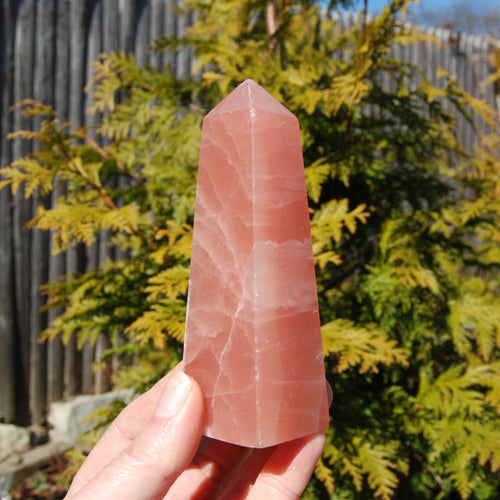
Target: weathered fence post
43, 91
57, 263
8, 362
23, 89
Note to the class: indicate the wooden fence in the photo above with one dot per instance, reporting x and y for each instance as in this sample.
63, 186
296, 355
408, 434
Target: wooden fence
46, 51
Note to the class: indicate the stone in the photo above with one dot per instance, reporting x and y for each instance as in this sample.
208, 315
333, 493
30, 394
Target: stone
68, 420
13, 441
253, 339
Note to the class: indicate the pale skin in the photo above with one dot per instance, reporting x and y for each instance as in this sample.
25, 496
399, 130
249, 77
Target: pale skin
154, 450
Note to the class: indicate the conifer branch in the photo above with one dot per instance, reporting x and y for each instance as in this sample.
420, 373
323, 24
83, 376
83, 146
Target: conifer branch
102, 152
104, 196
40, 108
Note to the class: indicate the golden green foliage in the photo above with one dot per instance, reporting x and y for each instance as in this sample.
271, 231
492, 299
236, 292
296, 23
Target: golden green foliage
354, 344
140, 188
405, 227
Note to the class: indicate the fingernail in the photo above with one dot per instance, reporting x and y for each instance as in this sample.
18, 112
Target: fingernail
174, 395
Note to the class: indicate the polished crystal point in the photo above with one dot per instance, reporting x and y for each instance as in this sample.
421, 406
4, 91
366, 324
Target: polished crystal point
253, 338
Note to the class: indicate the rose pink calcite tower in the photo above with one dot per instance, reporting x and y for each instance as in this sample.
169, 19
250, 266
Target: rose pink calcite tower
253, 338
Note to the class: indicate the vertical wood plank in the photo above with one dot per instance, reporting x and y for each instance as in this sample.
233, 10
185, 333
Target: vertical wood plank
57, 263
128, 11
156, 29
463, 60
7, 344
43, 92
79, 16
429, 64
110, 29
23, 89
111, 25
95, 47
142, 32
169, 29
128, 20
128, 23
182, 64
110, 43
7, 284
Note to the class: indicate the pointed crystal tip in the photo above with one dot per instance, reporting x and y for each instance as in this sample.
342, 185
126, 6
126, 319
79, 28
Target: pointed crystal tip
249, 95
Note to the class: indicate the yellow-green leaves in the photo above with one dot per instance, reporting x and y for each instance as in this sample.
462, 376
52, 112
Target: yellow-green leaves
474, 320
161, 319
379, 463
31, 173
74, 221
365, 347
316, 175
328, 224
457, 421
361, 458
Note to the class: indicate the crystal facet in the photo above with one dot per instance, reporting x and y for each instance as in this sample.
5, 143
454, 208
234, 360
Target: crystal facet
253, 338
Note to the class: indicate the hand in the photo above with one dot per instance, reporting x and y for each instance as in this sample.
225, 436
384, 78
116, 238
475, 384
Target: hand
154, 450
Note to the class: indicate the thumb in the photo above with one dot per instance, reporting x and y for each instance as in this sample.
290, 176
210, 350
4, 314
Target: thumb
154, 459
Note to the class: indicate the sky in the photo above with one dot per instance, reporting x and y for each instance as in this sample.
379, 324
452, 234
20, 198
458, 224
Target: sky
473, 16
375, 6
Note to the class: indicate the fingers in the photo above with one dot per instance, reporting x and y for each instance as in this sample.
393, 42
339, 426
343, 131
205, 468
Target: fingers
124, 429
150, 446
210, 471
278, 473
242, 482
226, 471
287, 472
153, 459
